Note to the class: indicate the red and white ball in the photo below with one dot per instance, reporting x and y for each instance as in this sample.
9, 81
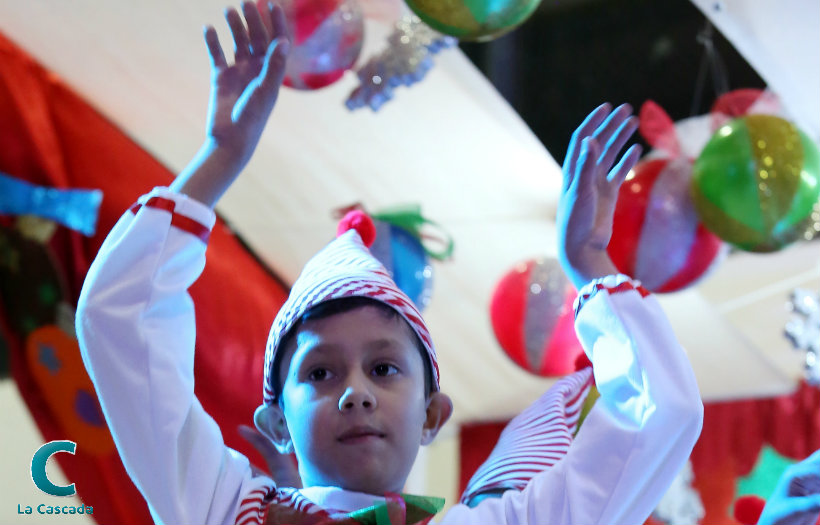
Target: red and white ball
533, 320
657, 236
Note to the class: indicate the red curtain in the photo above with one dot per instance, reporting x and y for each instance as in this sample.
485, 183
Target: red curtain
733, 434
50, 136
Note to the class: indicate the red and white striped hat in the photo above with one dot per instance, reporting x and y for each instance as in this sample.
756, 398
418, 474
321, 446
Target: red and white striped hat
344, 268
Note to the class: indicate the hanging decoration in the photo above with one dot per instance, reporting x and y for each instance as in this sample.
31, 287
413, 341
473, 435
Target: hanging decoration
404, 257
76, 209
532, 317
811, 225
681, 504
803, 330
57, 368
326, 38
479, 20
657, 236
756, 182
405, 242
31, 284
406, 60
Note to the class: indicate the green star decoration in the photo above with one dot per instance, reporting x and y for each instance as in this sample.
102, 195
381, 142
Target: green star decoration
763, 478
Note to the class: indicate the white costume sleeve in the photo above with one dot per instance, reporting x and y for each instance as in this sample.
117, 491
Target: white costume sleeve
136, 327
639, 433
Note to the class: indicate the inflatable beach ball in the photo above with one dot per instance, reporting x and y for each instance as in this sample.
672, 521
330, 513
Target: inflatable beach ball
657, 236
479, 20
326, 39
756, 182
532, 318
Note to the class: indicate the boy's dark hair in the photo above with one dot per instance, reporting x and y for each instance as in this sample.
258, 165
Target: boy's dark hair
339, 306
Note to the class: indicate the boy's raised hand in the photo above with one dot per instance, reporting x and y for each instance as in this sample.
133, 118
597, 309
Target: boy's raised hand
242, 97
243, 93
590, 190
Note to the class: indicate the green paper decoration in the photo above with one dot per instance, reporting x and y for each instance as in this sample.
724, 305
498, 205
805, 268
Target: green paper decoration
409, 217
763, 478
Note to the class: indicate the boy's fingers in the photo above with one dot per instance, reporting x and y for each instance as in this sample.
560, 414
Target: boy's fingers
262, 99
278, 22
587, 165
256, 29
240, 34
273, 71
214, 49
617, 176
618, 141
807, 467
804, 504
613, 122
586, 128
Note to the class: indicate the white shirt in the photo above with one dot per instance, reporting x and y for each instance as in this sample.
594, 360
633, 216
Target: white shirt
135, 324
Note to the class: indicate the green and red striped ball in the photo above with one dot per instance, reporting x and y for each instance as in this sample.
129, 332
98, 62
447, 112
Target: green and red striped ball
478, 20
756, 182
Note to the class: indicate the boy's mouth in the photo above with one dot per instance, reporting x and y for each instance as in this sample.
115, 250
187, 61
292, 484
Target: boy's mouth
359, 434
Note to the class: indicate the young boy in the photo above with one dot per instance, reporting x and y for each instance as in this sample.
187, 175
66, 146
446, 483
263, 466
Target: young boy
351, 378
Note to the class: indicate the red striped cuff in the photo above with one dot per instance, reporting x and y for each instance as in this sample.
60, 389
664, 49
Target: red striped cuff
611, 285
182, 222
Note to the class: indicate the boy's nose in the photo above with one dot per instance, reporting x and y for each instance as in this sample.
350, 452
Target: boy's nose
356, 396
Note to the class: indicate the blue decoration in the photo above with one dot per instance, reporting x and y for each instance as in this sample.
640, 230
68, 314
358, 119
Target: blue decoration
403, 255
88, 408
75, 209
48, 358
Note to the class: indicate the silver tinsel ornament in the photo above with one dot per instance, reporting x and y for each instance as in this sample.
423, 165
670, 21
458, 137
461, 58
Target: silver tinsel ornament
803, 330
681, 504
405, 61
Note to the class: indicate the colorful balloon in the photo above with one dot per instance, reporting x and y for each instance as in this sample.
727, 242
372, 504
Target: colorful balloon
478, 20
326, 39
756, 181
657, 236
404, 257
532, 317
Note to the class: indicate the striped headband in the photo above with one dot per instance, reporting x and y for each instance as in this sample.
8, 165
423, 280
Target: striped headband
344, 268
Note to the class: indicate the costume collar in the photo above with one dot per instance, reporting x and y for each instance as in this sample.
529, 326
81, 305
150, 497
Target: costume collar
340, 499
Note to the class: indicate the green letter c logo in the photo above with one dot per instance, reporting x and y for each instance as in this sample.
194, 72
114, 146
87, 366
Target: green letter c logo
38, 467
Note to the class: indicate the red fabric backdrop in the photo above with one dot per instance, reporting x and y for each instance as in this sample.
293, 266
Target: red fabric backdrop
50, 136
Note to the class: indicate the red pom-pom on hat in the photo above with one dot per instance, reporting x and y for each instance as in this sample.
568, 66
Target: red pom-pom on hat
582, 361
748, 509
362, 223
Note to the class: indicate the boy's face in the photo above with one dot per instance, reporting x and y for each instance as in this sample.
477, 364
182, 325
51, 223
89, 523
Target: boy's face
354, 404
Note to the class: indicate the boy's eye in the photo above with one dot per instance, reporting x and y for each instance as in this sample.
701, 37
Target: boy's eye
385, 369
319, 374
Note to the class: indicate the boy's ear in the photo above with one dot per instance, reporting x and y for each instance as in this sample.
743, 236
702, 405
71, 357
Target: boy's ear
270, 421
439, 410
